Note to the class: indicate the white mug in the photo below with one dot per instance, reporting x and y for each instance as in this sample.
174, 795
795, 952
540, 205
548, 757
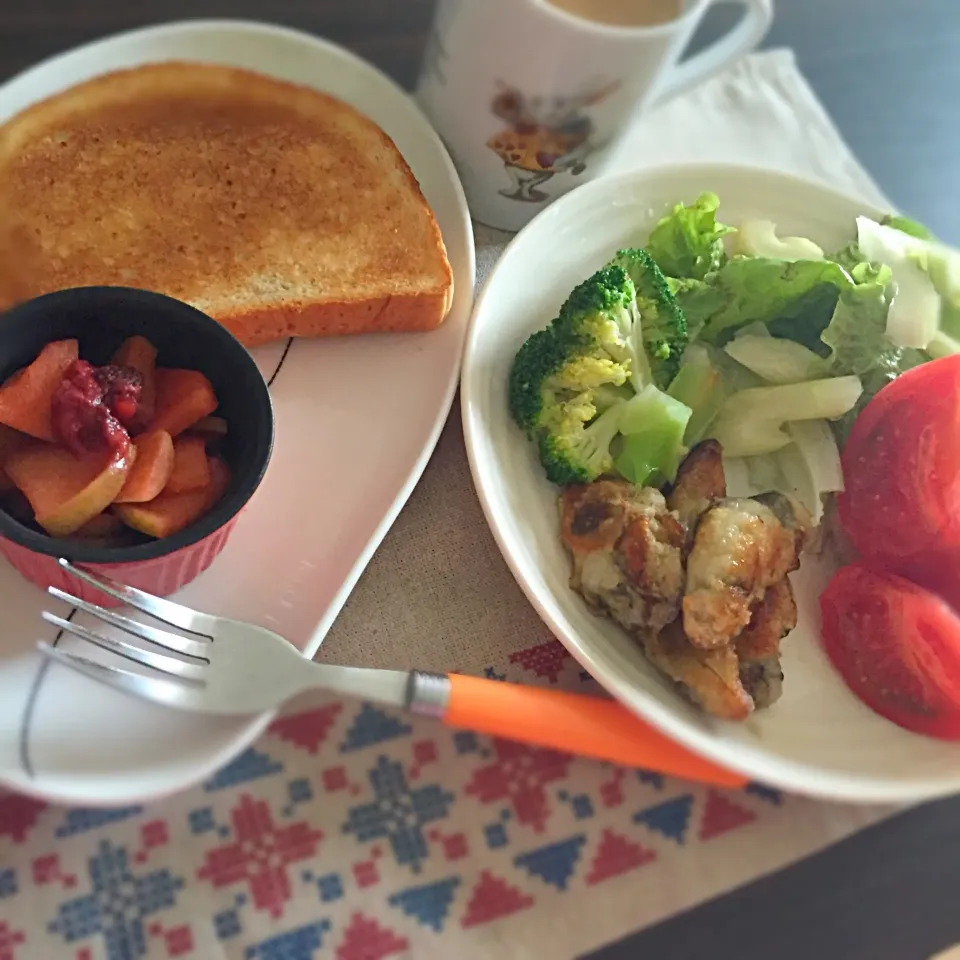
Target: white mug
529, 99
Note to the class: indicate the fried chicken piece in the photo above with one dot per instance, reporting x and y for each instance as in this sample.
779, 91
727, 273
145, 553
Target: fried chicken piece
626, 549
741, 547
710, 679
758, 645
700, 481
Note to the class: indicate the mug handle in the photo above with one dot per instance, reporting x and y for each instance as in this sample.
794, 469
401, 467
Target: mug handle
741, 40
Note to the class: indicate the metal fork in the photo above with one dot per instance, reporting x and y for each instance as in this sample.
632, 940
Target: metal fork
215, 665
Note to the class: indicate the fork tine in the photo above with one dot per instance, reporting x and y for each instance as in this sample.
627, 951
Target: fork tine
161, 638
193, 672
173, 614
170, 693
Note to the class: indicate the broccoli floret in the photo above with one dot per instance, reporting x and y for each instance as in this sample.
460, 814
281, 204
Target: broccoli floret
581, 353
580, 453
663, 325
570, 381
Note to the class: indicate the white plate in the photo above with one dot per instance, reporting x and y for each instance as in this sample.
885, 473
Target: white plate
818, 739
357, 419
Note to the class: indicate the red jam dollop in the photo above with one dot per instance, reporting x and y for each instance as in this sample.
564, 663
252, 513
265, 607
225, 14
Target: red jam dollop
94, 407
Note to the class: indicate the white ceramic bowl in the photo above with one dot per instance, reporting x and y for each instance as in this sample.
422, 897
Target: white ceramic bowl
818, 739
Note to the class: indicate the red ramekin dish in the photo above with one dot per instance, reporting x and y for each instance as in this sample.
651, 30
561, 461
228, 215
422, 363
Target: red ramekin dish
101, 318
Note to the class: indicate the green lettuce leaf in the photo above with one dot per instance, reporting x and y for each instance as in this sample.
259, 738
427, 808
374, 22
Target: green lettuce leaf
688, 242
906, 225
795, 298
860, 269
698, 301
859, 345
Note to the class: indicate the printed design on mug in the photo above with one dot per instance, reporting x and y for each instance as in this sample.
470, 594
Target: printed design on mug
544, 136
435, 56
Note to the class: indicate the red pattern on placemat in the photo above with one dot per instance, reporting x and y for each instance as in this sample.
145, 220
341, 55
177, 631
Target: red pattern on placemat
18, 815
308, 729
611, 791
493, 898
260, 854
46, 869
154, 834
722, 815
10, 939
179, 941
545, 659
366, 873
365, 939
518, 775
617, 855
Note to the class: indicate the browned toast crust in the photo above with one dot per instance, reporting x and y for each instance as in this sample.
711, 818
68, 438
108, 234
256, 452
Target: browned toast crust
277, 209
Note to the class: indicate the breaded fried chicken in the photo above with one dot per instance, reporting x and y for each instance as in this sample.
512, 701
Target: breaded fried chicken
626, 549
708, 678
700, 580
700, 481
741, 547
758, 644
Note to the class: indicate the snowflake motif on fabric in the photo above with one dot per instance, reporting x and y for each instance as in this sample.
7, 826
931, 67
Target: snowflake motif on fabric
398, 813
260, 854
519, 775
117, 905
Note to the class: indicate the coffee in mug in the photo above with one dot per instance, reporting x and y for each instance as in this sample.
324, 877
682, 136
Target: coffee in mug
622, 13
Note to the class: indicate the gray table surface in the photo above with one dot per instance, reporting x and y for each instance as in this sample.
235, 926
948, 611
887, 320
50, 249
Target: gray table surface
889, 73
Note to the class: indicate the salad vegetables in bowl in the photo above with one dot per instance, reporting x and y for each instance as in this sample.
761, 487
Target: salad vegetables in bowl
711, 416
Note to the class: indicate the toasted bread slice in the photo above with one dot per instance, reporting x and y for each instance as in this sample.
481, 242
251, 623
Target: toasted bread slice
277, 209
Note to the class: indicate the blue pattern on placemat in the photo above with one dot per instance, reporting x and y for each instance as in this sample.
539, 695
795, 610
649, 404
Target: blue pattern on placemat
765, 793
80, 819
554, 863
648, 776
8, 883
669, 818
398, 813
465, 741
227, 924
300, 944
372, 726
250, 765
118, 902
330, 886
201, 820
428, 904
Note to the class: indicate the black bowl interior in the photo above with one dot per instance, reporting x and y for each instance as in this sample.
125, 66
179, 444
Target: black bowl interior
101, 318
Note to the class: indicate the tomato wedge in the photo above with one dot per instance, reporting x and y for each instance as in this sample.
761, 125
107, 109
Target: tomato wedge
901, 468
897, 647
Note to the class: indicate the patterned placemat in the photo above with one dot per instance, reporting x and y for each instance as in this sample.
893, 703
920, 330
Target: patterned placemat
356, 833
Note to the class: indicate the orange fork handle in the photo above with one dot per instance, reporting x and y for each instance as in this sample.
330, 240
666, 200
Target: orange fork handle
574, 723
